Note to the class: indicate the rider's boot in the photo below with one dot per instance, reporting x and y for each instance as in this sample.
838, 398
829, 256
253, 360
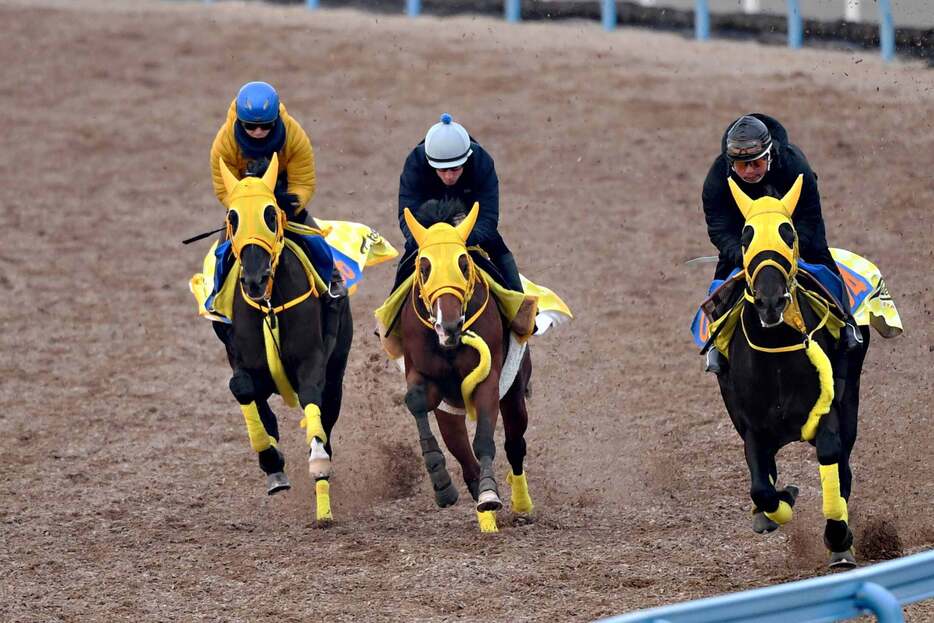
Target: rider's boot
337, 288
852, 338
714, 361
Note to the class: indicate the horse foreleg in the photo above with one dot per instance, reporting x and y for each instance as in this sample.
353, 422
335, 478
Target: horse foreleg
486, 398
775, 505
837, 534
310, 376
262, 430
454, 432
515, 423
421, 398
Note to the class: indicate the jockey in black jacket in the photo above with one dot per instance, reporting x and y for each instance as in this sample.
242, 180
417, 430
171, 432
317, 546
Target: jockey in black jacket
756, 153
450, 165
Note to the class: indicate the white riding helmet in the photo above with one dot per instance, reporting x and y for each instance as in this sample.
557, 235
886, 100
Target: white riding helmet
447, 144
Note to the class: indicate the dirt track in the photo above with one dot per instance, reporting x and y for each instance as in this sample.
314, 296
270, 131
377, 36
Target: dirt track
129, 491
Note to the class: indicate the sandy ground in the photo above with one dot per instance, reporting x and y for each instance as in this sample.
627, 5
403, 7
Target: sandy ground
129, 491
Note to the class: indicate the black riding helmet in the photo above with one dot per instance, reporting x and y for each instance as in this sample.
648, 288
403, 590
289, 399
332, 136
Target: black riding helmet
747, 139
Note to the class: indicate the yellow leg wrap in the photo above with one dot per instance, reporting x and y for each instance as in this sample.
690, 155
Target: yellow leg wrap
521, 500
782, 514
312, 424
259, 438
834, 504
470, 382
487, 521
825, 373
323, 501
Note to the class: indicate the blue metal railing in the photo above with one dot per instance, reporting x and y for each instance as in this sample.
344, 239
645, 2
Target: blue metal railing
512, 12
880, 589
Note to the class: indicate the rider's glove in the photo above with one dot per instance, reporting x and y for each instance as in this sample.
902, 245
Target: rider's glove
289, 203
256, 168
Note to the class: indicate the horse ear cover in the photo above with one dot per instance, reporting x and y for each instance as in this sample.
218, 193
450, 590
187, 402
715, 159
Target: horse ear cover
418, 232
230, 180
466, 226
272, 172
742, 199
790, 200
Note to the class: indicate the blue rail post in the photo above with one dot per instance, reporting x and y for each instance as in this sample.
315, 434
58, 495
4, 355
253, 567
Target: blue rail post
608, 13
795, 28
886, 30
701, 20
413, 7
312, 4
881, 602
513, 11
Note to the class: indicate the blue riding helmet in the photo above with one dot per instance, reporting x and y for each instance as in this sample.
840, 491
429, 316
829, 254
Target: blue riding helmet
257, 102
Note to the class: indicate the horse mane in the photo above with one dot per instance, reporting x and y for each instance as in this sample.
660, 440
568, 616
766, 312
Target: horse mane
439, 211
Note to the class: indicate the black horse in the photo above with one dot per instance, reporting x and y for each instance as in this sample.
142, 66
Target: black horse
284, 335
789, 378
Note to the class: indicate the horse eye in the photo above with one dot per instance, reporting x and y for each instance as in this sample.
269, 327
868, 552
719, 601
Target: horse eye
463, 264
787, 233
269, 215
234, 219
424, 268
748, 233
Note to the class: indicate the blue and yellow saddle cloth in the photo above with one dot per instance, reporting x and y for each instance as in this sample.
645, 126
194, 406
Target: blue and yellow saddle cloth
869, 299
348, 247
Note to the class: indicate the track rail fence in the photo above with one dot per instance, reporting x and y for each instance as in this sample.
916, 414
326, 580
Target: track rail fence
880, 589
512, 12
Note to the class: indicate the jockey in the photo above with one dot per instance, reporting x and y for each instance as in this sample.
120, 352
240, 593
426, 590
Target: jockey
756, 153
257, 126
450, 165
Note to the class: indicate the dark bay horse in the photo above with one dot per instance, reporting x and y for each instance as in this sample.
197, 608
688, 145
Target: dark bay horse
455, 341
788, 377
284, 335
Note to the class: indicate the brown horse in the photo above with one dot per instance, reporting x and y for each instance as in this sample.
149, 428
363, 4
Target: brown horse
455, 341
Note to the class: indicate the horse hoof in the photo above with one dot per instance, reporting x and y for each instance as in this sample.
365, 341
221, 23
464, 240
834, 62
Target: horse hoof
277, 482
488, 501
841, 561
762, 524
446, 496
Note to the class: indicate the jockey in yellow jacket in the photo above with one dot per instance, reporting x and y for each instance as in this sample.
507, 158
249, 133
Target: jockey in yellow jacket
257, 126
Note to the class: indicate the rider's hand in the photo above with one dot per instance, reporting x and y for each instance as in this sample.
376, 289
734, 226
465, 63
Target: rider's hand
256, 168
288, 202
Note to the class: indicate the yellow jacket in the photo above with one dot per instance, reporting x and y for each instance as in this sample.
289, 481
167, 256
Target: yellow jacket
296, 157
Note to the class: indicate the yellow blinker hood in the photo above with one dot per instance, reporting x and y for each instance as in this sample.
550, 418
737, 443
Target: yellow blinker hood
248, 199
766, 215
443, 245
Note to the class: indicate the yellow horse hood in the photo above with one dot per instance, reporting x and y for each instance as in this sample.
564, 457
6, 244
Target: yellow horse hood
768, 229
443, 245
253, 216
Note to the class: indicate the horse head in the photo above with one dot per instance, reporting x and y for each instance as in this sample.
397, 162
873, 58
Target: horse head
445, 275
770, 251
255, 228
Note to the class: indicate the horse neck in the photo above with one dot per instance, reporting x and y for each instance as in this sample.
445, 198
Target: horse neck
290, 279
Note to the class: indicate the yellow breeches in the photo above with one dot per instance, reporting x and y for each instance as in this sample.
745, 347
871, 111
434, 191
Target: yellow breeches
312, 424
477, 376
521, 500
782, 514
834, 504
259, 438
487, 521
323, 501
825, 373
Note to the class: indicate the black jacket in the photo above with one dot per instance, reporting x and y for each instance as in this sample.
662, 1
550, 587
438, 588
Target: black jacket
725, 221
419, 182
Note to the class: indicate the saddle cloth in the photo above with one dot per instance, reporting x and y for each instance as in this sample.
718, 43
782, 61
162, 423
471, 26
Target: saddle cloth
869, 298
349, 247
